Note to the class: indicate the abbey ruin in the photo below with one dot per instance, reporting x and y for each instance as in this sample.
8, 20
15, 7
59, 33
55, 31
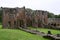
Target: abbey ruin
22, 17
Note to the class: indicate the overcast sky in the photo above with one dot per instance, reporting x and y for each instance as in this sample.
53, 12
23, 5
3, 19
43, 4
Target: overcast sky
49, 5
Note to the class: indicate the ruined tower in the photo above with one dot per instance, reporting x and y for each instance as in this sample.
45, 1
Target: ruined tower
14, 17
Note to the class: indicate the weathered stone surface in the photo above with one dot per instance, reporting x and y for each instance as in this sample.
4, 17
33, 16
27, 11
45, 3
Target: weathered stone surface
22, 17
54, 23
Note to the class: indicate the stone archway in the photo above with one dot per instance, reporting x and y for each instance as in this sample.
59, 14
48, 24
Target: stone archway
21, 23
9, 24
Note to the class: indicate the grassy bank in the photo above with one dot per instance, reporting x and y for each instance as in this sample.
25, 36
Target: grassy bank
45, 30
15, 34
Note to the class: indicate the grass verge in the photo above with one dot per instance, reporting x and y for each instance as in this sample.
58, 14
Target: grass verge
15, 34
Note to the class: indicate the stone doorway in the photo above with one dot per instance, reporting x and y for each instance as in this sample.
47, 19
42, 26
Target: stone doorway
21, 23
39, 23
9, 24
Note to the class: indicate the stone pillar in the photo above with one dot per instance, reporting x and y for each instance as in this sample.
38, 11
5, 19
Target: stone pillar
25, 26
18, 23
4, 24
5, 20
12, 24
15, 24
36, 23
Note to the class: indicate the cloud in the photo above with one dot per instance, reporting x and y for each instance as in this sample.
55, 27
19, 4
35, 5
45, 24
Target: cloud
49, 5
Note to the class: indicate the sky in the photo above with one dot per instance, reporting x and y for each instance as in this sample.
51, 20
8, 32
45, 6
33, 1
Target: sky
52, 6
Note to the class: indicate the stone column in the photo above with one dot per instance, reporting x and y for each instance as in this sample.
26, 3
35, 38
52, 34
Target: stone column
36, 23
18, 23
25, 26
12, 24
5, 21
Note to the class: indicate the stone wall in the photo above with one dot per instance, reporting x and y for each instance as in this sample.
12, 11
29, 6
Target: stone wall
55, 22
22, 17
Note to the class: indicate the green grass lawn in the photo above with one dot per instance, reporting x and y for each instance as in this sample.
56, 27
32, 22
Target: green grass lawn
45, 30
52, 30
15, 34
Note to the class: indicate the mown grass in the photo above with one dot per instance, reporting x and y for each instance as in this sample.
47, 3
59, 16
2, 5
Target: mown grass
45, 30
52, 31
15, 34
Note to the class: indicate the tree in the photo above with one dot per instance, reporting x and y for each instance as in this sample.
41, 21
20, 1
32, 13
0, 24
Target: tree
0, 15
50, 15
57, 16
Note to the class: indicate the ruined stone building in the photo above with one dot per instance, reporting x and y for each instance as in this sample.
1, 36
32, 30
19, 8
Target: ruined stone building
22, 17
54, 22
